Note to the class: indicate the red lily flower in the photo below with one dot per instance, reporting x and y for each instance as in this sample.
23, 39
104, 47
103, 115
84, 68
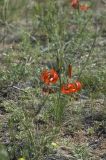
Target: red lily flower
75, 4
68, 88
50, 76
71, 87
84, 7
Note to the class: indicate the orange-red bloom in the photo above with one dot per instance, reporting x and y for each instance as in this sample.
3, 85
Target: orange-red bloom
50, 76
84, 7
68, 88
75, 4
71, 87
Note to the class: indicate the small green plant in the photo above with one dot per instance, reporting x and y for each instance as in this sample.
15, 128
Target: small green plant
81, 152
59, 101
